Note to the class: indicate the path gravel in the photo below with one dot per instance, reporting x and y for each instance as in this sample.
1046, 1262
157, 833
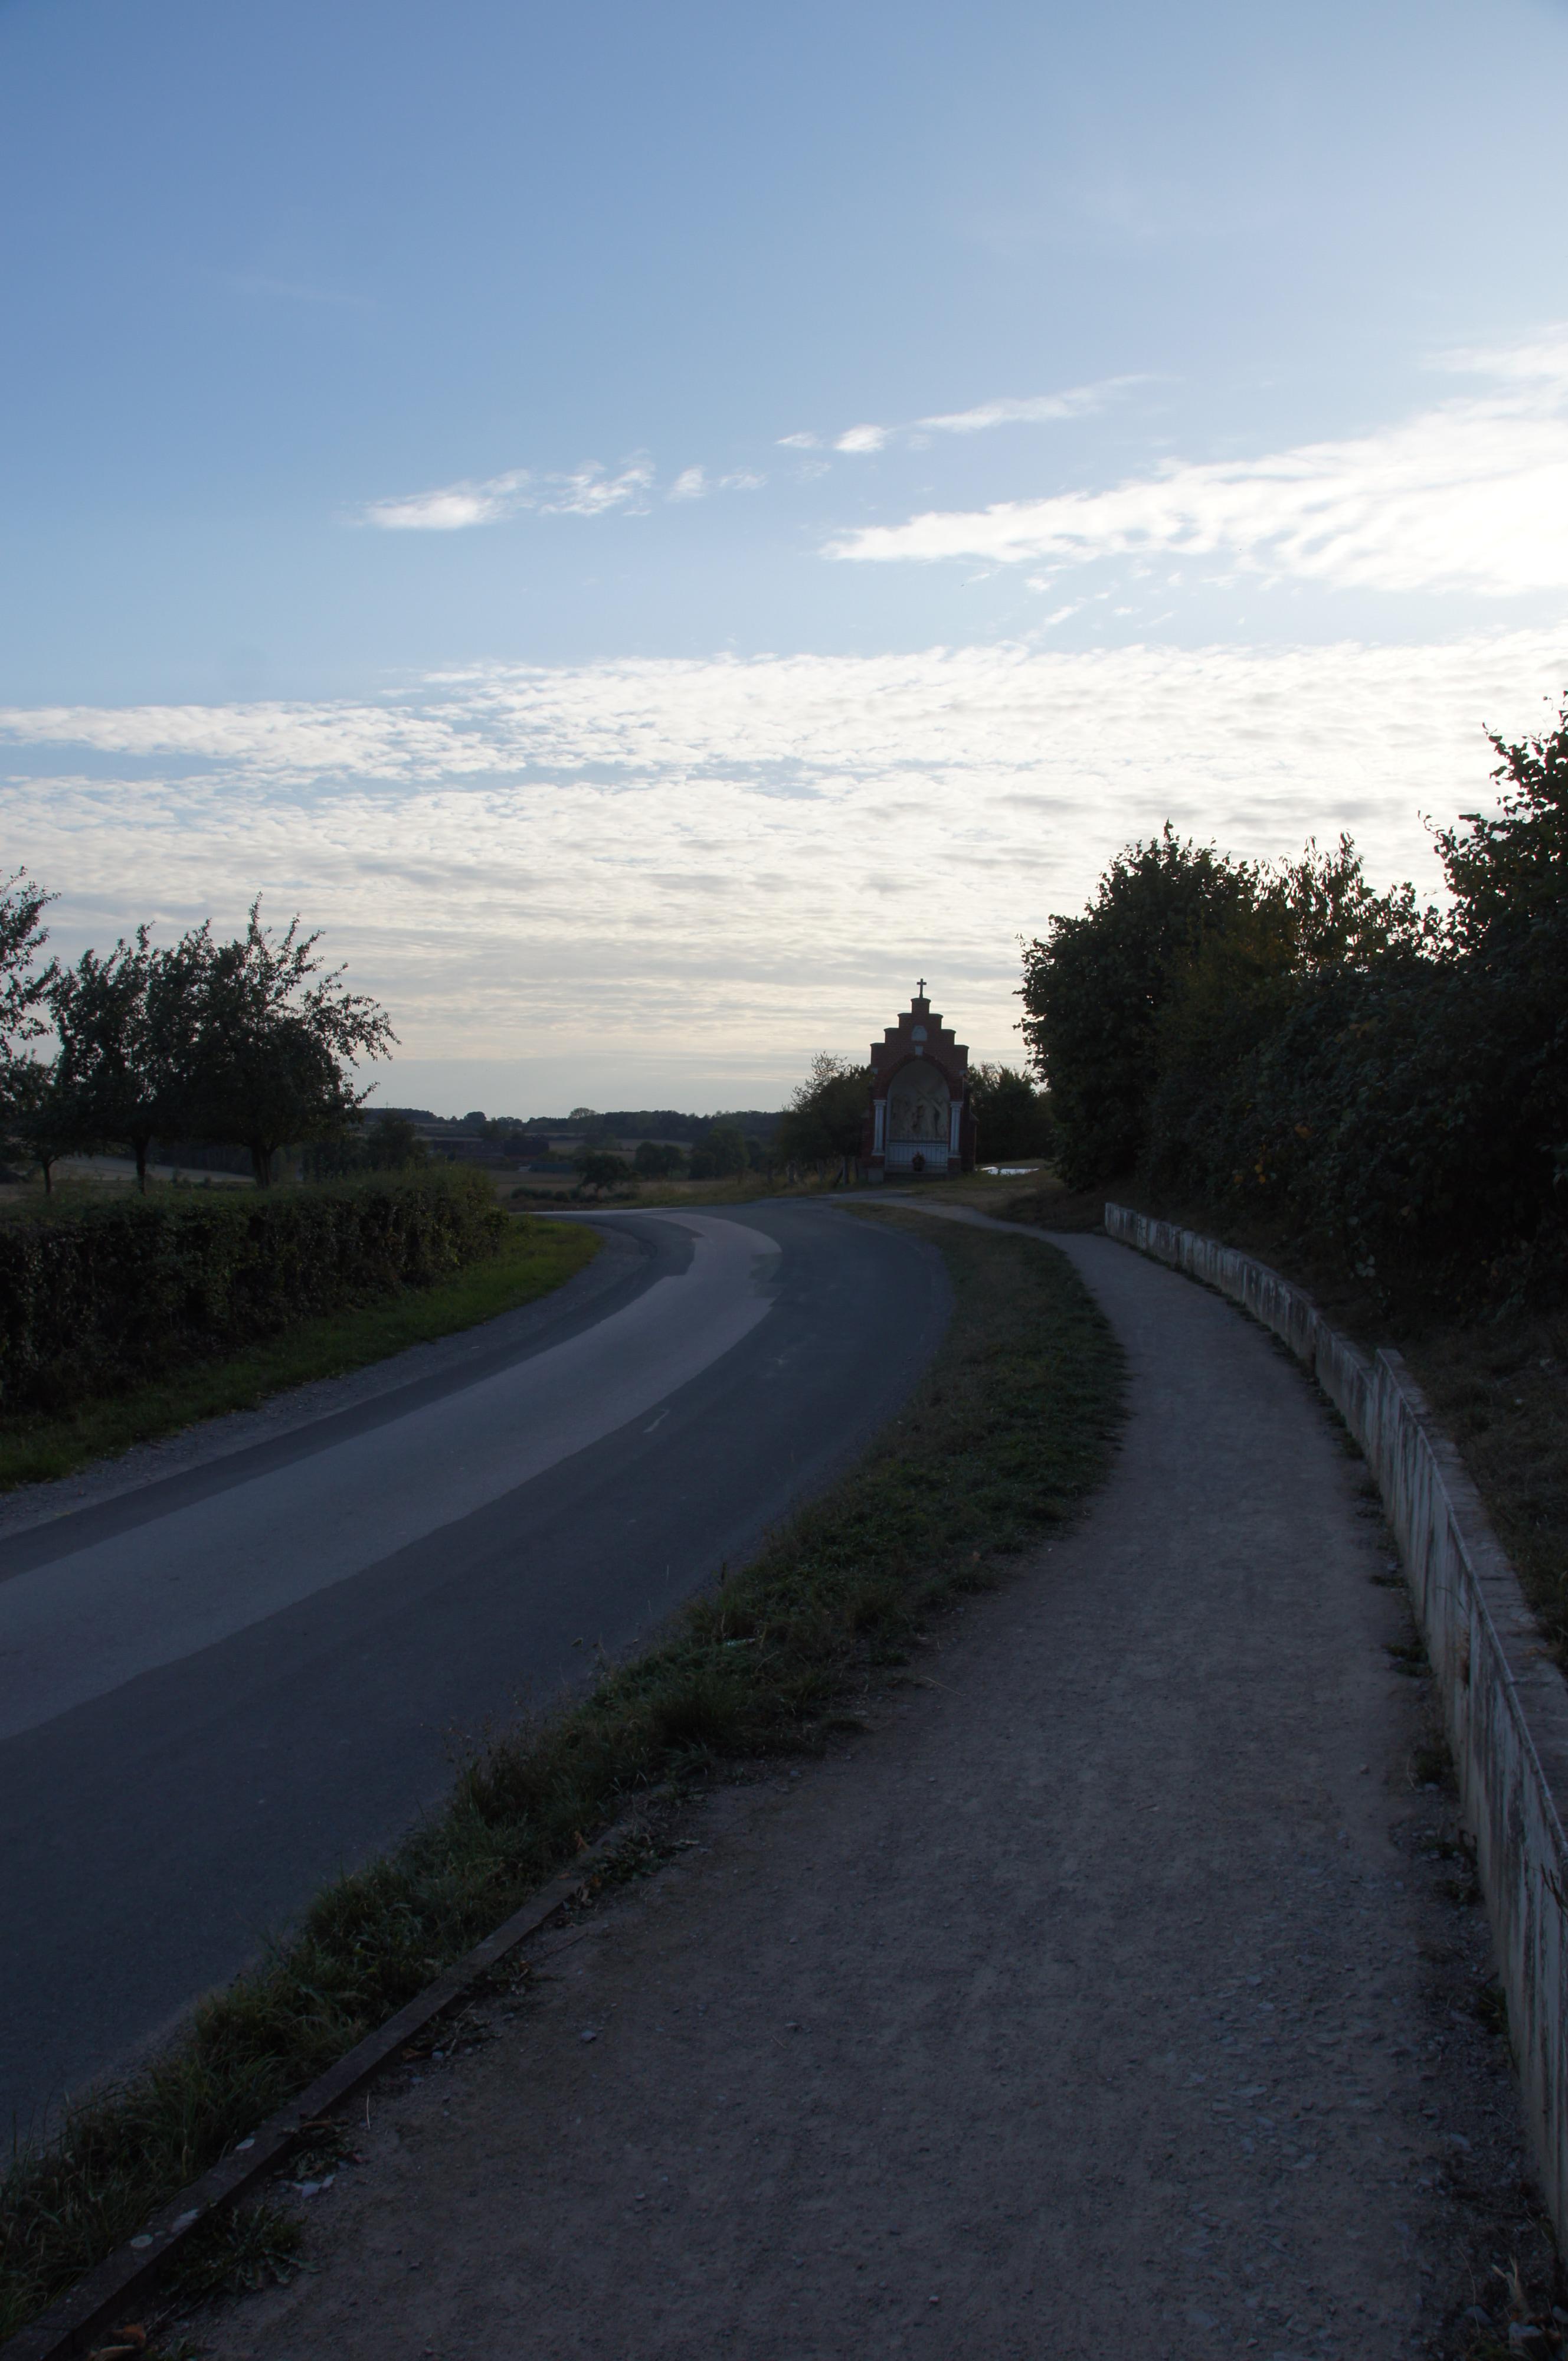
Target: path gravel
1105, 1999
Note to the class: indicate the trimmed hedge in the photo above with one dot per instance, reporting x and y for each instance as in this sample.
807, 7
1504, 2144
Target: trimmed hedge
94, 1302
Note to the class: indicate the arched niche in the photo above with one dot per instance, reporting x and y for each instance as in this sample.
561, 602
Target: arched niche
919, 1114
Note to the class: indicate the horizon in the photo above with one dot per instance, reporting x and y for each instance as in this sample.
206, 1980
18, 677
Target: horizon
647, 533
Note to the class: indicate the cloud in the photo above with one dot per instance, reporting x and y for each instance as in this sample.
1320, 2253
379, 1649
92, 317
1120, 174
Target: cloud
512, 858
1032, 409
588, 490
863, 438
695, 484
592, 489
800, 443
454, 506
1471, 495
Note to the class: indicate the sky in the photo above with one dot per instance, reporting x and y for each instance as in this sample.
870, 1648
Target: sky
654, 528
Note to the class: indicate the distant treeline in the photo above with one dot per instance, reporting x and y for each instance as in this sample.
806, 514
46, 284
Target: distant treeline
625, 1123
1392, 1079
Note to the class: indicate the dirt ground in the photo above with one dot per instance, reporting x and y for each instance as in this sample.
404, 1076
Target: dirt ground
1120, 1990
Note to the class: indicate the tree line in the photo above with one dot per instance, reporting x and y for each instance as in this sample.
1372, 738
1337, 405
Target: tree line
250, 1042
1392, 1077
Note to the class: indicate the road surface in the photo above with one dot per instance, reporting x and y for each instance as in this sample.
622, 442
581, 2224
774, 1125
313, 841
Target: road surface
219, 1689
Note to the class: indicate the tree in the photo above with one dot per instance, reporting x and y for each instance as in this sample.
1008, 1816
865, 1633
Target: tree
272, 1060
1508, 871
127, 1025
657, 1160
825, 1120
1094, 990
41, 1123
24, 990
720, 1154
598, 1169
24, 986
1012, 1117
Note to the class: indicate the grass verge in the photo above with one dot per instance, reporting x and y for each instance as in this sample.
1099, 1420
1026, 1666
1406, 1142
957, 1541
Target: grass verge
1012, 1426
533, 1257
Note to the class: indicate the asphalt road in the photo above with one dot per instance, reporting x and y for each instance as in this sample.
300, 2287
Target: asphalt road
220, 1689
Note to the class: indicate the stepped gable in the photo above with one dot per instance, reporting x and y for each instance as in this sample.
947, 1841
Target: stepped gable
919, 1033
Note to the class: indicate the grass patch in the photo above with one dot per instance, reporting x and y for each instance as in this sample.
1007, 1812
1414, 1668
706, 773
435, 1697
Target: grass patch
533, 1257
1011, 1427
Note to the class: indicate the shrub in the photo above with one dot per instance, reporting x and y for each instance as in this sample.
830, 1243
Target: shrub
101, 1299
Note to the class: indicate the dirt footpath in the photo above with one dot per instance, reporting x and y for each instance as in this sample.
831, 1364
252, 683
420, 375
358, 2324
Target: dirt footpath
1112, 1997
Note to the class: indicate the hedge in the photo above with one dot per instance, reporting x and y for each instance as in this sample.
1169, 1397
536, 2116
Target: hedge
96, 1301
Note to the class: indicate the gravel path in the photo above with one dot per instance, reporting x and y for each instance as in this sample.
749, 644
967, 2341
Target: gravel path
1105, 1999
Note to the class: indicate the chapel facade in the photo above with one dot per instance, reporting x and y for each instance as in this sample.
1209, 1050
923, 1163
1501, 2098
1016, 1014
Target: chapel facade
919, 1119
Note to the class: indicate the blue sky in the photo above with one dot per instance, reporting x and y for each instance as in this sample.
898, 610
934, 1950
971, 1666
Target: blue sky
646, 524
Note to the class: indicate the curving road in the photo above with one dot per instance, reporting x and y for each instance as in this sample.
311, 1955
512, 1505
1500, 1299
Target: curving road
220, 1689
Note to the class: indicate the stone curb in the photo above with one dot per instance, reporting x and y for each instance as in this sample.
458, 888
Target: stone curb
108, 2295
1505, 1704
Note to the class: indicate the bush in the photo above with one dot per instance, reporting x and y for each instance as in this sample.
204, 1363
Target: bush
103, 1299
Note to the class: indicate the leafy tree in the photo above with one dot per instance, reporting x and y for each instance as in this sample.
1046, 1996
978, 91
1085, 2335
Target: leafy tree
1012, 1117
128, 1024
598, 1169
272, 1060
23, 986
40, 1125
658, 1160
825, 1120
1508, 870
721, 1153
1094, 990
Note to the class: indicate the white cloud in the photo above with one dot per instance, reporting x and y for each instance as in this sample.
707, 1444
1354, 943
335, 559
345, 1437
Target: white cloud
671, 862
1471, 495
591, 489
454, 506
863, 438
695, 484
588, 490
1031, 409
799, 442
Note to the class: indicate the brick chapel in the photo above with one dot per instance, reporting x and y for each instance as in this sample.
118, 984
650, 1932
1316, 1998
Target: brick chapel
919, 1119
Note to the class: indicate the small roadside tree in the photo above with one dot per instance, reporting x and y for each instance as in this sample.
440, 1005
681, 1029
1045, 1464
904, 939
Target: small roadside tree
824, 1121
127, 1025
272, 1060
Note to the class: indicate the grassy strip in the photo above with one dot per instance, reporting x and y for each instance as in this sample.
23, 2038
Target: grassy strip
1011, 1428
533, 1257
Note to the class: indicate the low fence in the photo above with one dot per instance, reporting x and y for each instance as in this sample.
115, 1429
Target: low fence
1505, 1703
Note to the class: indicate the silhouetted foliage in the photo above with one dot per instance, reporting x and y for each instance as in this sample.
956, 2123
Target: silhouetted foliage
1395, 1079
824, 1120
1012, 1118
